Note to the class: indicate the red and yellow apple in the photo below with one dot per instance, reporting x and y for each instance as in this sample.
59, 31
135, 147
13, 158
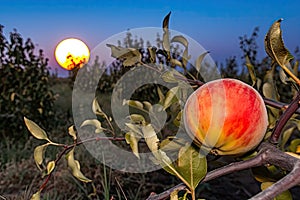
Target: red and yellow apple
226, 116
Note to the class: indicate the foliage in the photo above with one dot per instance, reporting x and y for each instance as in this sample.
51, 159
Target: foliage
24, 88
190, 165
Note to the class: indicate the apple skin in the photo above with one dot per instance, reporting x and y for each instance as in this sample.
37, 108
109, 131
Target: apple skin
227, 116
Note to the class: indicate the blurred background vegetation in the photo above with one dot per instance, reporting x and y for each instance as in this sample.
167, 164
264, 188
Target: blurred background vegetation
29, 89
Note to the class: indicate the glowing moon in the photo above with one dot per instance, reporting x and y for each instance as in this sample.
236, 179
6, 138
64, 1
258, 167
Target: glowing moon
71, 53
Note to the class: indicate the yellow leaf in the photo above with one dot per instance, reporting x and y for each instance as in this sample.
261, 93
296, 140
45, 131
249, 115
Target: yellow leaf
72, 132
150, 137
36, 196
171, 97
286, 195
133, 103
166, 39
75, 167
200, 60
96, 108
130, 56
132, 139
93, 122
50, 167
35, 130
12, 96
298, 149
38, 154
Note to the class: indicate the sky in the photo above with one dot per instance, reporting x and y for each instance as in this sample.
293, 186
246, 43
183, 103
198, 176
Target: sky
216, 25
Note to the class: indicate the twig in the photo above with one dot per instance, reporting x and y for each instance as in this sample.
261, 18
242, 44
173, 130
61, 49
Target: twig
268, 154
292, 108
278, 105
167, 193
289, 181
68, 147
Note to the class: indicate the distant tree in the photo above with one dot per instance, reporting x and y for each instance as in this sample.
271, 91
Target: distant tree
24, 88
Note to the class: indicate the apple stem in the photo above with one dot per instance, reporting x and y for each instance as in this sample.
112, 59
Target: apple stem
291, 109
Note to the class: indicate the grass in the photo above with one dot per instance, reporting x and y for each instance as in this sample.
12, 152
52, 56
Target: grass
20, 177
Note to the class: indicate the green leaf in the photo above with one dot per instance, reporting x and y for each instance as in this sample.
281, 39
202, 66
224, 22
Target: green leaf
35, 130
160, 95
286, 195
75, 167
274, 45
50, 167
158, 117
129, 56
283, 76
191, 166
38, 154
251, 70
36, 196
72, 132
270, 91
171, 97
200, 60
177, 120
172, 144
294, 144
166, 163
133, 139
287, 132
172, 76
275, 48
150, 137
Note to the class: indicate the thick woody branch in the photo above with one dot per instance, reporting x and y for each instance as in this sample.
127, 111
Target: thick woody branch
268, 154
289, 181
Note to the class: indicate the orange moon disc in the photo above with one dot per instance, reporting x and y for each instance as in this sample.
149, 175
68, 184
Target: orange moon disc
71, 53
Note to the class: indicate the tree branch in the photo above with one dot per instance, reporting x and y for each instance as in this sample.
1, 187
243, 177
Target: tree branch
292, 108
268, 154
289, 181
278, 105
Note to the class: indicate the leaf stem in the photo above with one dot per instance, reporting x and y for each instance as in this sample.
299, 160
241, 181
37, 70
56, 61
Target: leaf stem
68, 147
292, 75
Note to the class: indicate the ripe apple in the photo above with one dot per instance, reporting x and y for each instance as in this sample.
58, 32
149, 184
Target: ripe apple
227, 116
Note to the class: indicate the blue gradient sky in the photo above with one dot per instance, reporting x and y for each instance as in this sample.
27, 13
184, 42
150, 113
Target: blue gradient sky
216, 25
